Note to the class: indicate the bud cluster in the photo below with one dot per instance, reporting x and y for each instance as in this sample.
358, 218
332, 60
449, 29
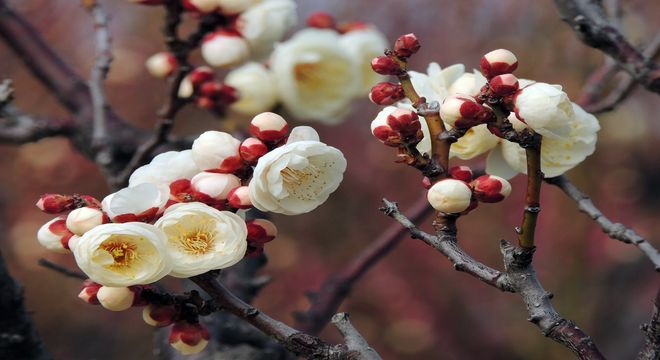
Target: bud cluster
393, 63
207, 92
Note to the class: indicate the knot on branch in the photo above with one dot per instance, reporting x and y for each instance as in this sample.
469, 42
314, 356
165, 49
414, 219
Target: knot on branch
516, 258
6, 92
390, 207
452, 136
619, 231
425, 108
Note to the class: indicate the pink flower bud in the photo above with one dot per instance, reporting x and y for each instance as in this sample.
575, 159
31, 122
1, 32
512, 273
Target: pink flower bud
504, 84
83, 219
426, 183
386, 93
89, 291
352, 26
54, 235
490, 188
115, 298
260, 231
188, 338
463, 112
269, 127
159, 316
214, 185
161, 65
55, 203
240, 198
450, 196
497, 62
228, 95
200, 75
200, 6
321, 20
385, 65
405, 122
205, 102
406, 45
252, 149
463, 173
223, 48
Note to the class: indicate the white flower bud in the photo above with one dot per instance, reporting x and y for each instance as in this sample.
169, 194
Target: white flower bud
269, 127
165, 168
217, 151
545, 108
89, 291
312, 171
54, 235
450, 196
83, 219
123, 254
115, 298
256, 88
497, 62
188, 338
161, 65
141, 202
231, 7
158, 316
240, 198
303, 133
222, 49
201, 6
201, 238
213, 185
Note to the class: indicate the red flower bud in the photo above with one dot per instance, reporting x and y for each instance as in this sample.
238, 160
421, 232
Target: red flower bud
188, 338
89, 291
386, 93
406, 45
55, 203
504, 84
385, 65
252, 149
260, 231
463, 173
490, 188
497, 62
406, 122
269, 127
200, 75
240, 198
321, 20
159, 316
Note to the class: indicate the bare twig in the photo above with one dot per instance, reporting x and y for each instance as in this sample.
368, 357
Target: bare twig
62, 270
651, 349
615, 231
587, 18
337, 286
519, 277
354, 340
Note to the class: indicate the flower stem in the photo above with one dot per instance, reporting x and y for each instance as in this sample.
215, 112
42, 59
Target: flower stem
533, 197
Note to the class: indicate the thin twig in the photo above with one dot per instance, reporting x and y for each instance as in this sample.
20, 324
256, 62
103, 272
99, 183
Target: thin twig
62, 270
614, 230
325, 302
651, 349
519, 277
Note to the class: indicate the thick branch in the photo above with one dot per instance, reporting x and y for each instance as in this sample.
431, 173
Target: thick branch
337, 286
519, 278
615, 231
651, 349
353, 339
589, 21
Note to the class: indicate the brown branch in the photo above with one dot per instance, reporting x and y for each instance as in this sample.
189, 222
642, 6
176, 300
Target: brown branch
519, 277
533, 197
293, 340
616, 231
62, 270
325, 302
651, 349
590, 23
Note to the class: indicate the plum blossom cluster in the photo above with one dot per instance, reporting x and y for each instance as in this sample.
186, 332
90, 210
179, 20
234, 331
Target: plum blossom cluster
490, 111
183, 215
314, 75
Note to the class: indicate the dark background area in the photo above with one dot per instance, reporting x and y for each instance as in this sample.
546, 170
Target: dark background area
412, 305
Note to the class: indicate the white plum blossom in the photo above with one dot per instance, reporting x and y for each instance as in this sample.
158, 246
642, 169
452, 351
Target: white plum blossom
302, 133
297, 177
222, 49
256, 88
363, 45
83, 219
265, 23
316, 77
558, 155
476, 141
545, 108
123, 254
201, 238
217, 186
165, 168
216, 151
115, 298
140, 202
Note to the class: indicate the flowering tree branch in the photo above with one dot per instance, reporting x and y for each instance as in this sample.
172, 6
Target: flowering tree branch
589, 21
519, 277
337, 286
616, 231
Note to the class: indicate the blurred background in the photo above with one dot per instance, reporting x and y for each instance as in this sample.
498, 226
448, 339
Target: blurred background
412, 305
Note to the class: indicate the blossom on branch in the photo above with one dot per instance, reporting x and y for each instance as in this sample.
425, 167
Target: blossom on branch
256, 89
142, 202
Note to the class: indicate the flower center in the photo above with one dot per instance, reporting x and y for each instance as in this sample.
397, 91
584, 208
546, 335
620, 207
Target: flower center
123, 253
305, 72
303, 184
197, 239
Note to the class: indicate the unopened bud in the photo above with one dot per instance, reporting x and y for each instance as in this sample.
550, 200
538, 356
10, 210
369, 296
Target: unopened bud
269, 127
54, 235
83, 219
490, 188
260, 231
497, 62
426, 183
200, 6
504, 84
158, 316
55, 203
386, 93
161, 65
89, 291
188, 338
382, 130
463, 173
239, 198
385, 65
406, 45
252, 149
302, 133
115, 298
223, 48
405, 122
214, 185
254, 250
321, 20
463, 112
450, 196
